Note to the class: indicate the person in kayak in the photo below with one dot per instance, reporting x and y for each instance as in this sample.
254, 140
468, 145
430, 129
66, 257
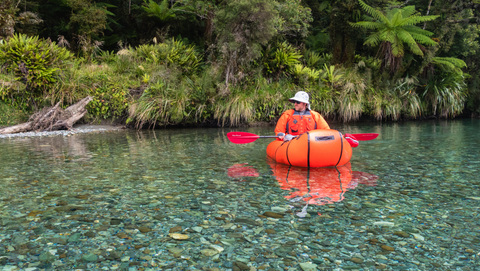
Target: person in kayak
299, 120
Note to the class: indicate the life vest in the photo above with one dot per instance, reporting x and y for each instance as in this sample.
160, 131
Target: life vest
299, 124
310, 121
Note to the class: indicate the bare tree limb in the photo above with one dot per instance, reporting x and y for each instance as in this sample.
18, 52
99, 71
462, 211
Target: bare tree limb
191, 12
53, 118
17, 128
428, 11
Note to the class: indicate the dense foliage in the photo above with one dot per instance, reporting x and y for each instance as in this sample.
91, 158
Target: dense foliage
159, 62
35, 62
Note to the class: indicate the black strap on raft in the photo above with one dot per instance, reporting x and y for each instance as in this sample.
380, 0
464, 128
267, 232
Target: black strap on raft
288, 173
341, 150
340, 181
308, 154
286, 151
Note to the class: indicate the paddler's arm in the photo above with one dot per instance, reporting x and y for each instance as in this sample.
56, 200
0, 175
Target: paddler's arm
321, 123
281, 126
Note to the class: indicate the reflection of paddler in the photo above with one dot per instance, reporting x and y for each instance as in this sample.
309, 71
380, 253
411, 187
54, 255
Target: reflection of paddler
319, 185
242, 170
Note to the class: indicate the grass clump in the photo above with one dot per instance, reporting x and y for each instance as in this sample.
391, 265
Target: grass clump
9, 115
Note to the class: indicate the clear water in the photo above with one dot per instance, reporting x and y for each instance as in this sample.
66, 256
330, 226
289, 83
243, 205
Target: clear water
414, 189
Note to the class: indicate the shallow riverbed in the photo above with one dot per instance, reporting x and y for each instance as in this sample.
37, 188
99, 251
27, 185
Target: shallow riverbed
189, 199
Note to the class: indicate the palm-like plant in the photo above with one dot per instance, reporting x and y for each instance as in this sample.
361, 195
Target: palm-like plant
394, 31
160, 11
450, 63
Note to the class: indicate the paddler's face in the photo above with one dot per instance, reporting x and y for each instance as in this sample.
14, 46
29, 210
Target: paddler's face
300, 106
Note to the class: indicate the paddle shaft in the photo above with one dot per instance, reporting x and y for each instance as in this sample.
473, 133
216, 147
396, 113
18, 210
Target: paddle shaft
244, 137
259, 137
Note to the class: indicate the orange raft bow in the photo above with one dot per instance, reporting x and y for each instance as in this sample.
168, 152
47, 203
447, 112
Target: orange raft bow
316, 148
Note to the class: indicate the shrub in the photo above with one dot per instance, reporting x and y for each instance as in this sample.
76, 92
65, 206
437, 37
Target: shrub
108, 102
160, 104
445, 97
282, 59
171, 52
10, 115
239, 106
35, 62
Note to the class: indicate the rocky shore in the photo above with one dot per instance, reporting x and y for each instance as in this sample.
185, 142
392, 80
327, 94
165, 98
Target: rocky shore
78, 129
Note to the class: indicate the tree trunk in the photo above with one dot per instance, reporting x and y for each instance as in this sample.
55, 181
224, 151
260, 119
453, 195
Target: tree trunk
20, 128
51, 119
343, 36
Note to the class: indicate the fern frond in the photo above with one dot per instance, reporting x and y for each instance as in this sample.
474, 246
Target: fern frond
408, 11
396, 18
397, 47
368, 25
451, 62
417, 30
373, 39
391, 13
390, 37
423, 40
406, 37
410, 41
375, 13
413, 20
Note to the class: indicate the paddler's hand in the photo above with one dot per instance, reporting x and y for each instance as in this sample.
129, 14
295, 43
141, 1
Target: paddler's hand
281, 136
288, 137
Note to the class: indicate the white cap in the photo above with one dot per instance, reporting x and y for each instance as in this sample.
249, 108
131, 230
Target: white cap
302, 97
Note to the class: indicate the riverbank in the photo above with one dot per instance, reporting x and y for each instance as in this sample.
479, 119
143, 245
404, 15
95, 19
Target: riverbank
78, 129
108, 126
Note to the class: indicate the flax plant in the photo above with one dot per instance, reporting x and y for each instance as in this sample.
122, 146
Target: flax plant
351, 95
445, 97
237, 108
383, 103
271, 99
407, 91
322, 100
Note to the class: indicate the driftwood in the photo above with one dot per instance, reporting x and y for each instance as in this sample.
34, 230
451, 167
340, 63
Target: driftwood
51, 118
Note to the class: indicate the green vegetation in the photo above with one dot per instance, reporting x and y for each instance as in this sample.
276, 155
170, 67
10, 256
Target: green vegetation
9, 115
155, 62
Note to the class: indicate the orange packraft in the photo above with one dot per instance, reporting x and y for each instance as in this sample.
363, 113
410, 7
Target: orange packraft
316, 148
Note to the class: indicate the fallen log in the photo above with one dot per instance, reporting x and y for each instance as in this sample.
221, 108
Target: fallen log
20, 128
52, 118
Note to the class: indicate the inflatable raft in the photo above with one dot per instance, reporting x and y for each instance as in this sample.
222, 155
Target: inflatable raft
316, 148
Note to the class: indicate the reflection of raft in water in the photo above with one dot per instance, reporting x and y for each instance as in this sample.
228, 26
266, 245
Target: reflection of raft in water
319, 185
317, 148
242, 170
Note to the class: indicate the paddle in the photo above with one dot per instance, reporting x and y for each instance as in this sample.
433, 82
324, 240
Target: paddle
365, 137
244, 137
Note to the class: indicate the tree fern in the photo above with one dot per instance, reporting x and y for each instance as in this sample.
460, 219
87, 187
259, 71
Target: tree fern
450, 63
394, 31
160, 11
375, 13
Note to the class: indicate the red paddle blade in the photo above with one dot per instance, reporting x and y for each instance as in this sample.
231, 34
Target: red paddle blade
365, 137
241, 137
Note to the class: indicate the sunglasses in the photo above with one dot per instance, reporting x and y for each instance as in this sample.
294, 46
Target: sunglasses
297, 102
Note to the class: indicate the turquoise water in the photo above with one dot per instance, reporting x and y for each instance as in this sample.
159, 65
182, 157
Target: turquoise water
408, 200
